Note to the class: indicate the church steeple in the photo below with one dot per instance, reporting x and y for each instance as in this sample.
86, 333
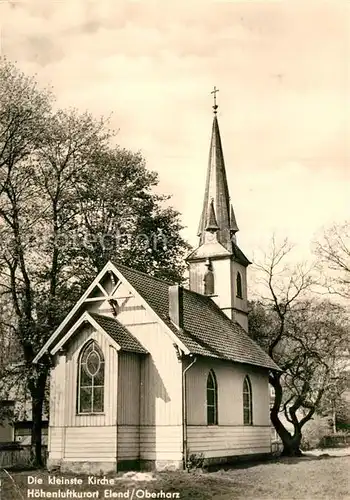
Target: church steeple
218, 267
216, 189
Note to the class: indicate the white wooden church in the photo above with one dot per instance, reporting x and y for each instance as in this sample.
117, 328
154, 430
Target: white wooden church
147, 373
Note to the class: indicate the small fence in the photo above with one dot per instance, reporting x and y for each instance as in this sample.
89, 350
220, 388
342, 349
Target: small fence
340, 440
13, 455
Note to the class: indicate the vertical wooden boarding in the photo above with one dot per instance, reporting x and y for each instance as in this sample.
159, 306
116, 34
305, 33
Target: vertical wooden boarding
57, 407
128, 389
161, 394
108, 416
128, 408
57, 391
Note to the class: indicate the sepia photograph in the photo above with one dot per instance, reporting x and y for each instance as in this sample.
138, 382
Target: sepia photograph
174, 249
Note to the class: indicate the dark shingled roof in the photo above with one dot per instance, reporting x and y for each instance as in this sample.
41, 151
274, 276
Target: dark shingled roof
207, 330
119, 333
239, 255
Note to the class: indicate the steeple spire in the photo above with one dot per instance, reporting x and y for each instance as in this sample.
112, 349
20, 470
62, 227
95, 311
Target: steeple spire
218, 267
216, 189
233, 223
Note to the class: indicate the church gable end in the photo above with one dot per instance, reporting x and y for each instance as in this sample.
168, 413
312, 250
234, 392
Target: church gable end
146, 370
109, 296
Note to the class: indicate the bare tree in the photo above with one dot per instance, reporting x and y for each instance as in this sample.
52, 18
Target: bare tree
333, 252
303, 336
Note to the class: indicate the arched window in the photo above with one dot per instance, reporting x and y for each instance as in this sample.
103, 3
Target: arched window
209, 283
212, 399
91, 374
209, 279
247, 402
239, 292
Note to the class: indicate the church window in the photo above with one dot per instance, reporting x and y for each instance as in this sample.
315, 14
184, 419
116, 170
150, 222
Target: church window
91, 373
239, 286
212, 399
247, 402
209, 283
209, 279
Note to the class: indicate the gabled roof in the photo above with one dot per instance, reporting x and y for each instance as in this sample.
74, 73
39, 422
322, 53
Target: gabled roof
119, 333
207, 330
109, 325
74, 318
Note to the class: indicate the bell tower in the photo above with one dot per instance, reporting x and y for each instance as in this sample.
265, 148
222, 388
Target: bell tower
217, 267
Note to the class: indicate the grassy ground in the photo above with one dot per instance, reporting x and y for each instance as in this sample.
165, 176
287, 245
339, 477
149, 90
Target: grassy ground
299, 478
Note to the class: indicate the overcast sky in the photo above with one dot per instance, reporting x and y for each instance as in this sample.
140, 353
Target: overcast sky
283, 73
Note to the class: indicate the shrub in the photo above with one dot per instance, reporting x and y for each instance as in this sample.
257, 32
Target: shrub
343, 416
195, 461
313, 432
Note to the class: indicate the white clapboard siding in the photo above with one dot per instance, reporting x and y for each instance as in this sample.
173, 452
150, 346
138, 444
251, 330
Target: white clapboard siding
128, 442
128, 388
229, 377
111, 380
217, 441
161, 442
91, 444
56, 442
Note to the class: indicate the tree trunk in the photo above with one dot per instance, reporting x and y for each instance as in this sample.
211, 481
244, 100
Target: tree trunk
291, 446
334, 420
38, 398
37, 411
291, 443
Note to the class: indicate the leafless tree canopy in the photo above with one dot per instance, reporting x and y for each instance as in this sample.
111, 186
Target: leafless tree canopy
306, 336
333, 252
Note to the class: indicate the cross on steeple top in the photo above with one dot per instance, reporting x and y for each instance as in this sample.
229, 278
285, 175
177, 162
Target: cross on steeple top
214, 92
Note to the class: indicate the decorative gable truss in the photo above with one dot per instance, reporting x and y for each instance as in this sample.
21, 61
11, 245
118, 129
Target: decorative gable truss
109, 295
83, 320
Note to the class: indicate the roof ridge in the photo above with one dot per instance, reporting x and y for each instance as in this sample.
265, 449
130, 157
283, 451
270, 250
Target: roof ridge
112, 318
102, 315
202, 295
165, 282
